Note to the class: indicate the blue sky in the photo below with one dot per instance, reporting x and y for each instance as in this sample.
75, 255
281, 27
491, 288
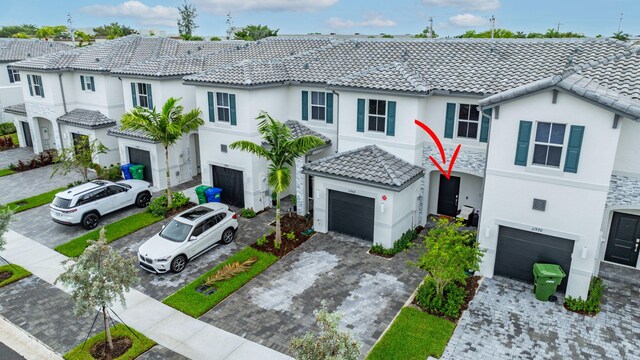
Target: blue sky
451, 17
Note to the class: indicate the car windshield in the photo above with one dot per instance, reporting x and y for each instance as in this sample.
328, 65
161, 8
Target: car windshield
176, 231
61, 202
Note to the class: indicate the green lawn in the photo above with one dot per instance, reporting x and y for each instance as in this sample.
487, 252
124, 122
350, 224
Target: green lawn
34, 201
140, 344
18, 273
114, 231
193, 303
413, 335
5, 172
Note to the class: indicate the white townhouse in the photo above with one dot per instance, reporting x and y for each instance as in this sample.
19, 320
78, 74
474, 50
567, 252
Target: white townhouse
11, 98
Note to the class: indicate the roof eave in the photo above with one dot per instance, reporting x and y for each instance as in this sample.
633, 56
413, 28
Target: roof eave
365, 182
131, 137
378, 91
149, 77
235, 86
84, 126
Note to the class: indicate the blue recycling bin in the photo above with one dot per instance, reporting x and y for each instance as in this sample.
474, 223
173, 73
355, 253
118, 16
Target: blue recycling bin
126, 172
213, 194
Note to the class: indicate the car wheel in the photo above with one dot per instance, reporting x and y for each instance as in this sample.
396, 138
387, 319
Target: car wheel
179, 263
90, 221
143, 200
228, 236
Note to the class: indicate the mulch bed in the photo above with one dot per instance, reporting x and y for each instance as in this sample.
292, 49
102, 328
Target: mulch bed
584, 313
5, 275
120, 346
288, 222
172, 212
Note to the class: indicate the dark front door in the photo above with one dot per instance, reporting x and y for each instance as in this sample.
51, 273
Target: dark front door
518, 250
232, 185
26, 130
142, 157
351, 214
624, 239
448, 195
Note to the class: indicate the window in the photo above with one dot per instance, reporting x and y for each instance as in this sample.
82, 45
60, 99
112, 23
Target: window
143, 95
377, 115
35, 85
468, 117
548, 144
115, 189
318, 106
14, 76
87, 83
223, 108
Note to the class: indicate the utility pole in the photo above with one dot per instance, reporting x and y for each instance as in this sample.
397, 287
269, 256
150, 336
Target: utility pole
71, 29
229, 23
493, 24
620, 22
558, 26
430, 33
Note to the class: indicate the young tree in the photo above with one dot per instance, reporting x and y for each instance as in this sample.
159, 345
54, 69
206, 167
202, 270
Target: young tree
51, 32
330, 343
98, 278
620, 36
83, 37
187, 20
255, 32
5, 218
78, 158
447, 253
113, 30
165, 127
281, 150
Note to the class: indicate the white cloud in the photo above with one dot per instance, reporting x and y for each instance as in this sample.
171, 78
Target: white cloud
142, 13
467, 20
224, 6
481, 5
369, 20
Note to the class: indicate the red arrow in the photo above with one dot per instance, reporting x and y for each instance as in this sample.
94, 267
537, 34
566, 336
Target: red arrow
435, 138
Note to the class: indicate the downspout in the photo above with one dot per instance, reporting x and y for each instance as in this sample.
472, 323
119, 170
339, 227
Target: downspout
484, 178
337, 119
64, 106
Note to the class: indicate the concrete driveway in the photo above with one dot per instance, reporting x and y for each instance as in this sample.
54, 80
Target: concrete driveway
505, 321
279, 303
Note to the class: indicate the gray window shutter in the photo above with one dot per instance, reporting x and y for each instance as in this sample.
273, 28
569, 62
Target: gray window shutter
133, 95
10, 75
305, 105
82, 82
360, 125
329, 116
212, 109
30, 87
149, 96
573, 149
391, 118
93, 84
232, 108
41, 86
522, 149
449, 120
484, 125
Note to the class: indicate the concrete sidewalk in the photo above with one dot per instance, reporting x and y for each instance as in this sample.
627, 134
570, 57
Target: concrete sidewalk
166, 326
23, 343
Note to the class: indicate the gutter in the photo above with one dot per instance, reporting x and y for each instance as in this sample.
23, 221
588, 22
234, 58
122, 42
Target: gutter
64, 106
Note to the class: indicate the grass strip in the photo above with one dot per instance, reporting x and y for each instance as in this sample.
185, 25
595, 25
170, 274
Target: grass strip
413, 335
194, 303
18, 273
140, 344
5, 172
114, 231
34, 201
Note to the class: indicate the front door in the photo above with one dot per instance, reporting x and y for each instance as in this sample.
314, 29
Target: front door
26, 130
624, 239
448, 195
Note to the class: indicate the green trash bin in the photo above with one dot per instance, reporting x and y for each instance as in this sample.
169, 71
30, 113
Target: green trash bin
200, 193
547, 278
137, 171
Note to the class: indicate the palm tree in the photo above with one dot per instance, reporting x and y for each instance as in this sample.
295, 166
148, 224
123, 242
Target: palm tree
620, 36
280, 149
166, 127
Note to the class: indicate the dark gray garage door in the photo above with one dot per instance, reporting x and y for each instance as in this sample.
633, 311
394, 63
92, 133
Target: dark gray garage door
142, 157
518, 250
351, 214
232, 185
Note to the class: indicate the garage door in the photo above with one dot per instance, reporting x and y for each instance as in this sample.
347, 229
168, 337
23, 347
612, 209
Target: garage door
518, 250
351, 214
142, 157
231, 183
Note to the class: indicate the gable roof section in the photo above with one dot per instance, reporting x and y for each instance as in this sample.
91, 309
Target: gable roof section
298, 130
368, 165
92, 119
20, 49
393, 76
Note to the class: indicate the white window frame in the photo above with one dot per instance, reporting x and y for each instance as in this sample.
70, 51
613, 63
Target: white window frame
14, 76
225, 108
36, 86
548, 144
88, 83
468, 121
377, 116
322, 108
141, 90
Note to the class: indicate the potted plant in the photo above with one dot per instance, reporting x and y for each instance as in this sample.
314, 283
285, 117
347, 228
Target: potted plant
294, 201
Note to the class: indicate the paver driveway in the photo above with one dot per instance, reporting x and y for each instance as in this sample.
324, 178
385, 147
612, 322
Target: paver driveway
32, 182
12, 156
279, 303
505, 321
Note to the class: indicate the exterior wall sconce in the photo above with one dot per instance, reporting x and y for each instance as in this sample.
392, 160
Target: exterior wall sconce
585, 250
487, 231
382, 208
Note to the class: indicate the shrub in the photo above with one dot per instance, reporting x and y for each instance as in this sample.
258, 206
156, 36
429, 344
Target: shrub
179, 200
591, 306
399, 245
112, 173
248, 213
158, 206
43, 159
6, 143
7, 128
291, 235
262, 240
448, 305
75, 183
215, 38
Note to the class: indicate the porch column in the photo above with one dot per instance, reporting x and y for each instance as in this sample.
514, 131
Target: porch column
301, 185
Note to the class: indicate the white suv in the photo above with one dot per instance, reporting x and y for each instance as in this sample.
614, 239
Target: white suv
187, 236
85, 204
